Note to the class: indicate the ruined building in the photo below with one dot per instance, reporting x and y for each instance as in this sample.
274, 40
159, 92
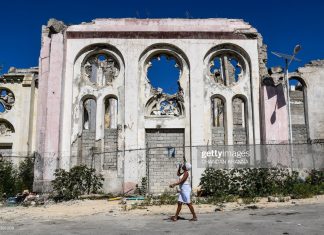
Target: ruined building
18, 109
95, 104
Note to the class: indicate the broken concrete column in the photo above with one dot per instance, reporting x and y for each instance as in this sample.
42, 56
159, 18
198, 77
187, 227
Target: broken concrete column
55, 26
49, 107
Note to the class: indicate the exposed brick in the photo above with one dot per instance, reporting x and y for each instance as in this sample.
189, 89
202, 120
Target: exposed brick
162, 168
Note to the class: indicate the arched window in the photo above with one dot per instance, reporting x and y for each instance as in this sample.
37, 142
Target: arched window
218, 120
6, 128
239, 120
227, 64
164, 73
100, 68
226, 69
89, 114
218, 112
111, 110
7, 100
297, 92
111, 133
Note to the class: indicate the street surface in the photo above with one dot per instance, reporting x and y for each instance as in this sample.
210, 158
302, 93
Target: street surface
299, 219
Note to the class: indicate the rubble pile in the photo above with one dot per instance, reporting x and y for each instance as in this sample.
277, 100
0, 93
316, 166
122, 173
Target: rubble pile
25, 198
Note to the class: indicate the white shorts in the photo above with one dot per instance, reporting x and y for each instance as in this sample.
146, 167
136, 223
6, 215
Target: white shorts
184, 195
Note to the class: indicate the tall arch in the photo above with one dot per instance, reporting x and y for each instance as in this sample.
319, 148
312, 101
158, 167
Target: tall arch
99, 68
233, 78
166, 115
240, 120
110, 118
111, 112
218, 119
298, 106
89, 112
157, 102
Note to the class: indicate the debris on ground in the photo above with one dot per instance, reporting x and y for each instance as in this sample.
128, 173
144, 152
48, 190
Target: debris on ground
26, 198
253, 207
77, 208
279, 199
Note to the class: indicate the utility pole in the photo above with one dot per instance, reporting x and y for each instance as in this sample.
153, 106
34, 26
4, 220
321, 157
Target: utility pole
288, 59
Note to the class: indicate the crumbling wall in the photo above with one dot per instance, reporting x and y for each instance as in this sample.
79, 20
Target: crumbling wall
298, 119
239, 122
305, 98
239, 136
312, 74
88, 147
299, 133
18, 95
133, 42
162, 158
218, 136
297, 107
49, 105
110, 149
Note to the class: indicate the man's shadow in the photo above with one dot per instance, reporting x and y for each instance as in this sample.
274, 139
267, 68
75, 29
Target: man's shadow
169, 219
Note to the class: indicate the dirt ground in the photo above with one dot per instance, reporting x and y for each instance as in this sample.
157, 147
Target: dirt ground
81, 208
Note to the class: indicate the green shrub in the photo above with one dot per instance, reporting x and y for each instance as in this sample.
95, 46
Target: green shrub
302, 190
289, 181
8, 176
144, 185
215, 182
315, 177
249, 200
142, 189
243, 182
220, 199
259, 182
25, 174
14, 180
319, 189
167, 199
78, 181
148, 201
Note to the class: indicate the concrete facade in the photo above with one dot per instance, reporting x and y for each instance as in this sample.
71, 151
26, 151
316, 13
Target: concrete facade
305, 99
17, 119
131, 44
97, 106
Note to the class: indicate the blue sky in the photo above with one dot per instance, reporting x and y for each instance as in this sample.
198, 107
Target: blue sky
282, 23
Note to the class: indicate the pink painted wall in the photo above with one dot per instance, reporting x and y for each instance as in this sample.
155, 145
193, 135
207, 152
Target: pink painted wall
41, 110
53, 105
275, 116
42, 94
49, 109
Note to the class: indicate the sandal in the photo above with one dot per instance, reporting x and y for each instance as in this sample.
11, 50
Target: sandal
194, 219
173, 218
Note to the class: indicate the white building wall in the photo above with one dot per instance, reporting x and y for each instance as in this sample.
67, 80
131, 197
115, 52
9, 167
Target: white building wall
133, 40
